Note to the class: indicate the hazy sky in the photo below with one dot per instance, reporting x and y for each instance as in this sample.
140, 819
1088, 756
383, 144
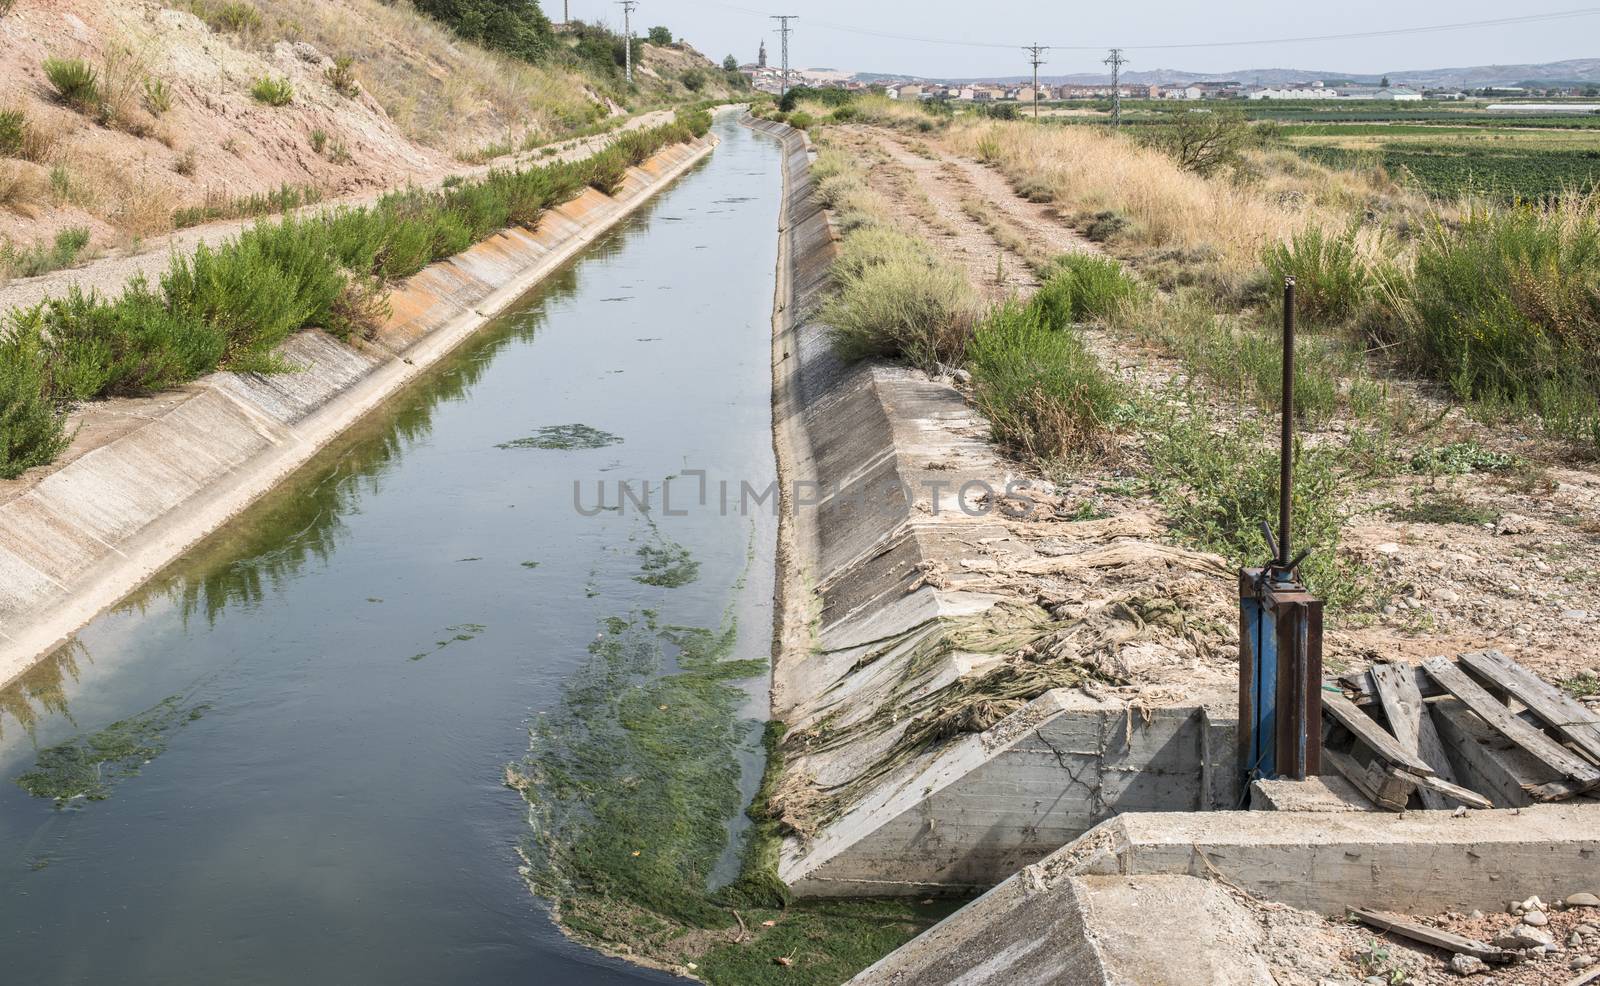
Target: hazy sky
737, 26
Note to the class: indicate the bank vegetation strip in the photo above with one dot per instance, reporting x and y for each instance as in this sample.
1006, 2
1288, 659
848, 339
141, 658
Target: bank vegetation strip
229, 307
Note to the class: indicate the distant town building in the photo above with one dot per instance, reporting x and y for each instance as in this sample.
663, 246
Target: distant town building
1313, 91
1397, 94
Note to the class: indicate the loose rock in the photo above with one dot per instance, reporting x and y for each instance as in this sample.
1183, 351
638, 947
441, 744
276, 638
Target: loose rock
1536, 918
1583, 900
1524, 937
1467, 965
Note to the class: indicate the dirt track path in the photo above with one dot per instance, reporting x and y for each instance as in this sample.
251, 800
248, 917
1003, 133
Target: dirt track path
109, 275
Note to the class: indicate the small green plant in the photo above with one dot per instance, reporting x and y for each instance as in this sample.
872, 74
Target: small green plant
1582, 685
1331, 281
1461, 458
338, 153
1081, 287
341, 75
1044, 394
62, 251
319, 139
273, 91
13, 132
76, 82
1446, 508
186, 163
157, 96
232, 16
1219, 484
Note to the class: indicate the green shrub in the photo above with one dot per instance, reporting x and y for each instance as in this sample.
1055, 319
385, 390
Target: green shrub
801, 120
1219, 485
273, 92
13, 131
1509, 299
157, 96
32, 429
1090, 286
232, 16
893, 300
76, 82
341, 75
1331, 282
63, 251
1045, 395
319, 139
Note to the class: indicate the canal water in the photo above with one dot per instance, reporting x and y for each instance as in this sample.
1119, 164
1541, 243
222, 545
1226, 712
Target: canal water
297, 737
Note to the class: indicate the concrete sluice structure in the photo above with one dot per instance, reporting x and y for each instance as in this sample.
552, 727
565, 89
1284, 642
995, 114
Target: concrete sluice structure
1108, 830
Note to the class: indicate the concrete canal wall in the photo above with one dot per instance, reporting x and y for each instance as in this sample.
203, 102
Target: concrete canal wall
146, 479
872, 642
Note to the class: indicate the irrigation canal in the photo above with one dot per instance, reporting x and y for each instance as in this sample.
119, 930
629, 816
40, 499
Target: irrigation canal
297, 736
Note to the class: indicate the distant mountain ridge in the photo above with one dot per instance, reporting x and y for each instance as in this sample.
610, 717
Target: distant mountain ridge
1572, 70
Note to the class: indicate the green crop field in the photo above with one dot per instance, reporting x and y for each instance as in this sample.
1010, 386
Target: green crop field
1450, 168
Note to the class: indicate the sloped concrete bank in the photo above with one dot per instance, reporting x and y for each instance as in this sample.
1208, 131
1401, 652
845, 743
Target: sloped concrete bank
899, 775
147, 479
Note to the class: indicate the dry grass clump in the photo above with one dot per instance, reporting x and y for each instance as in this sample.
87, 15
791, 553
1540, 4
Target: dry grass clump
1166, 207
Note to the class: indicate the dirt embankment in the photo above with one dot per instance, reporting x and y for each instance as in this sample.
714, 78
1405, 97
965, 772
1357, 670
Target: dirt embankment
1458, 556
205, 110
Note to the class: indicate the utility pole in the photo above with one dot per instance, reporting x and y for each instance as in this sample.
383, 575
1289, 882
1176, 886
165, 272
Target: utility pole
1035, 55
1116, 61
784, 29
627, 34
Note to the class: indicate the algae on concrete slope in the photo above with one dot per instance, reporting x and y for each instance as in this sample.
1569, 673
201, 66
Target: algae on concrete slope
89, 766
631, 785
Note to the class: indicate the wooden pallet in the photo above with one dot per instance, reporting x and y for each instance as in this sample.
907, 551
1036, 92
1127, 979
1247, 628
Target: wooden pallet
1382, 729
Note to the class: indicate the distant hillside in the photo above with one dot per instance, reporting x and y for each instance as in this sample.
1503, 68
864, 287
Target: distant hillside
1571, 71
198, 105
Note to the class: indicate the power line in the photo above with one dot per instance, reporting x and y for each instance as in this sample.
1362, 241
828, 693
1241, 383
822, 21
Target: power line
1350, 36
1116, 61
627, 33
784, 29
1034, 53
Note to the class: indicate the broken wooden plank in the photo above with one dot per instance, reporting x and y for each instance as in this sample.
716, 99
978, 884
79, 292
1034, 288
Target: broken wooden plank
1437, 937
1366, 692
1382, 784
1500, 719
1453, 792
1370, 734
1571, 721
1585, 978
1412, 725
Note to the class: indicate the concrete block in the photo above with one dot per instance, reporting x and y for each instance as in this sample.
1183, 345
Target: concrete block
1148, 931
1330, 793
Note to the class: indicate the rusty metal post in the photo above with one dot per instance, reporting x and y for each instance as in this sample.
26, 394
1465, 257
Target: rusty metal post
1280, 629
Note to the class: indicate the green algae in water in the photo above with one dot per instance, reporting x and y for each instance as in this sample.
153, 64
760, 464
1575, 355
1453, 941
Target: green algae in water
633, 779
631, 784
530, 564
667, 564
90, 766
461, 633
564, 437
